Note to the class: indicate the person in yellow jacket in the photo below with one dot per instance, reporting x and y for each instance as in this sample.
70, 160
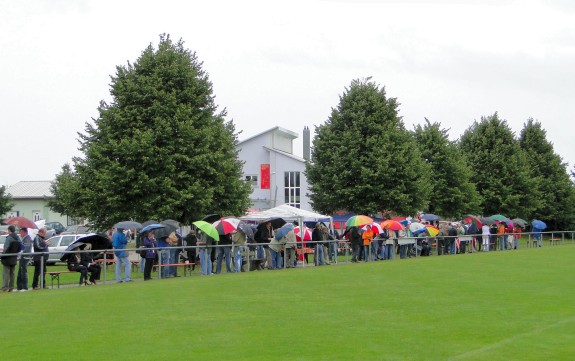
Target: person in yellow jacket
367, 237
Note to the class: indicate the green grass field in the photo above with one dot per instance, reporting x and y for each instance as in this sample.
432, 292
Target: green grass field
515, 305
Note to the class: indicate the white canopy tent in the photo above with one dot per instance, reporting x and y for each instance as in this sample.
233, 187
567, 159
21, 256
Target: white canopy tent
288, 213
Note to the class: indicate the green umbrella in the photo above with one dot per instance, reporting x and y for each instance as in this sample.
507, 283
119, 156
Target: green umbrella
208, 229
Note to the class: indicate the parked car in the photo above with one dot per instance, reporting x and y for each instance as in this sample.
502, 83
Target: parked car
2, 240
50, 232
57, 226
59, 243
78, 229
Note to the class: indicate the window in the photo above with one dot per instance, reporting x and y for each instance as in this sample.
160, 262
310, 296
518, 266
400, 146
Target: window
292, 189
253, 180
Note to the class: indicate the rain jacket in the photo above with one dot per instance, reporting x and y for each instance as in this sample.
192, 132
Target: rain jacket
119, 241
11, 245
367, 237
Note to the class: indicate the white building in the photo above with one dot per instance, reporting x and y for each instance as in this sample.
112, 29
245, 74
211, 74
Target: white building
277, 175
30, 199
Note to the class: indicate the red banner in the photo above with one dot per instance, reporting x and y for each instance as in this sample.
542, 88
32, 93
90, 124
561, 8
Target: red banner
265, 176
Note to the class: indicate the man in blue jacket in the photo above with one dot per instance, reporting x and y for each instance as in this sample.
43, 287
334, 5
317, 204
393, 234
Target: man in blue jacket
119, 241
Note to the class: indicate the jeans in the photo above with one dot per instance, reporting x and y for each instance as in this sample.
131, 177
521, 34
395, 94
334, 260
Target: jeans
502, 242
123, 262
390, 250
237, 253
172, 270
164, 256
318, 256
276, 259
366, 251
221, 252
333, 252
452, 246
206, 261
383, 252
22, 278
402, 251
374, 250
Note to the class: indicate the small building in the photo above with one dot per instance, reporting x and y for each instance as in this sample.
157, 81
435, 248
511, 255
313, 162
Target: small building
30, 200
276, 174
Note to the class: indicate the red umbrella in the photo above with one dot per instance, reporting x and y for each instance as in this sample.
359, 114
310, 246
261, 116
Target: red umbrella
306, 233
375, 227
21, 222
226, 225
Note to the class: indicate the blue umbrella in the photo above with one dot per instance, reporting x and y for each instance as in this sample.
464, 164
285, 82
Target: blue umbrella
151, 227
430, 217
537, 224
284, 230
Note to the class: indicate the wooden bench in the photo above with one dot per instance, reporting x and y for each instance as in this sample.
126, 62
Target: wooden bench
55, 275
188, 268
554, 241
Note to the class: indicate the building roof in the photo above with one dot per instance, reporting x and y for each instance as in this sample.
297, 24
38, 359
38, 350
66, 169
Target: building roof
299, 159
283, 131
30, 190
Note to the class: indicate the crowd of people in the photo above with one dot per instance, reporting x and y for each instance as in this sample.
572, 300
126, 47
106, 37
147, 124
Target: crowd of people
272, 248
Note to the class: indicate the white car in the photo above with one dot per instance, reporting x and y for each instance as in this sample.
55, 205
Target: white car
59, 243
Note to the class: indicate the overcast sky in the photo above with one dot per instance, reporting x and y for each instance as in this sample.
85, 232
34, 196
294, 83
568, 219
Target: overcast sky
285, 63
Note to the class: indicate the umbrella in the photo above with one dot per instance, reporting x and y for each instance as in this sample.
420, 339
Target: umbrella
276, 222
520, 222
499, 217
486, 220
473, 220
307, 232
358, 221
21, 222
128, 225
227, 225
151, 227
70, 248
208, 229
375, 227
417, 227
393, 225
430, 217
540, 225
211, 218
285, 229
97, 241
247, 229
433, 231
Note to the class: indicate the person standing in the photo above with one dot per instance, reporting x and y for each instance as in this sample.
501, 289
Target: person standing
367, 237
485, 233
317, 239
149, 243
355, 242
290, 250
119, 242
12, 246
238, 241
501, 237
22, 279
224, 250
205, 242
40, 259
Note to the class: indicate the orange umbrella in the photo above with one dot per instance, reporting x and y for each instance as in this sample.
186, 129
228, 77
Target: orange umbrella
391, 224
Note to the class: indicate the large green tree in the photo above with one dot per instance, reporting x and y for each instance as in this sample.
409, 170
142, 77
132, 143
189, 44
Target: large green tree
453, 194
557, 204
500, 170
5, 201
160, 149
364, 160
66, 192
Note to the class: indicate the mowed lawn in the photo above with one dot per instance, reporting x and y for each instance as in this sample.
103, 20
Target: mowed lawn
514, 305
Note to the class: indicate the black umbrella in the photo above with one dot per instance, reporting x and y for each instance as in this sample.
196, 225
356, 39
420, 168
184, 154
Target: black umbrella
211, 218
276, 222
70, 248
98, 241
